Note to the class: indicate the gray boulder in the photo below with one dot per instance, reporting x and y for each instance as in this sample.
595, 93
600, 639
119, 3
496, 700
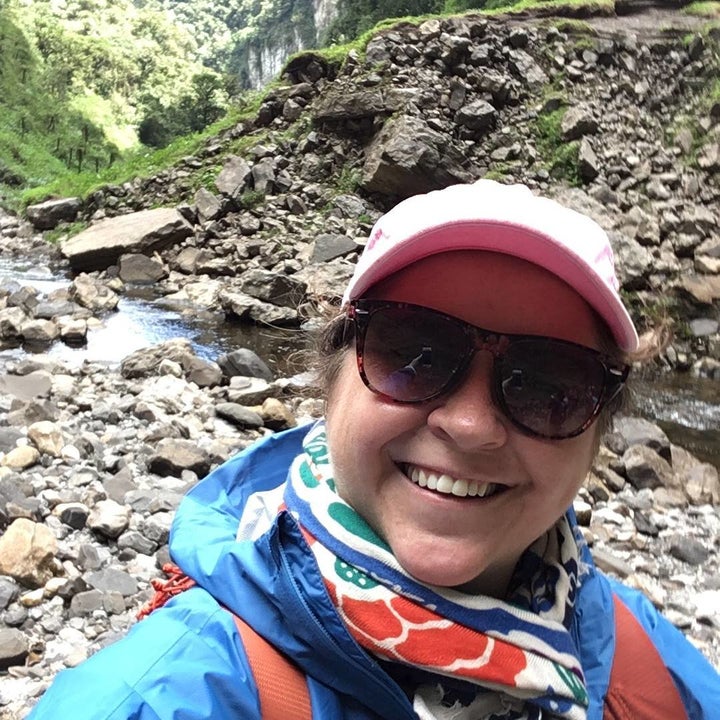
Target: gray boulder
49, 214
246, 363
141, 269
407, 157
102, 244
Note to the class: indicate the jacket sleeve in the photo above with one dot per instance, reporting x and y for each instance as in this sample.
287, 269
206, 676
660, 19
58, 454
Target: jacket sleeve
697, 681
184, 660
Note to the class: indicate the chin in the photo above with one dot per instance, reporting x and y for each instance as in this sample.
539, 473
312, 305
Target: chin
438, 573
459, 571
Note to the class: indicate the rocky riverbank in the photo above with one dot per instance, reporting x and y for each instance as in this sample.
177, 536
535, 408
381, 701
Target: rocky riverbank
94, 459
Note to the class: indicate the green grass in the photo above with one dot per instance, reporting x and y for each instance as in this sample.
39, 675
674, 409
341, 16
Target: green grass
141, 163
349, 180
65, 231
499, 171
592, 6
251, 198
708, 9
714, 94
572, 26
690, 122
560, 157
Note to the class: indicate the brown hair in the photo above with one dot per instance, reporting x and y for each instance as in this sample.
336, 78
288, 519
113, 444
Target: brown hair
329, 343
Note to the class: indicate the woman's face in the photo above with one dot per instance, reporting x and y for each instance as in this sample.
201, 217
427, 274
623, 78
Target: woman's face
376, 444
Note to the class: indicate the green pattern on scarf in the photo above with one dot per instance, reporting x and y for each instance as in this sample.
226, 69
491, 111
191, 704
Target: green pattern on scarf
354, 524
317, 449
574, 683
307, 476
354, 575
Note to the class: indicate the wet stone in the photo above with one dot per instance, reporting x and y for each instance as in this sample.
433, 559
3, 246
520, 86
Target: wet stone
13, 648
689, 550
111, 580
85, 603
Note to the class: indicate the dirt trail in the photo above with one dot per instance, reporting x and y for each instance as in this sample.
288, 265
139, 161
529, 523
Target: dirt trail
648, 19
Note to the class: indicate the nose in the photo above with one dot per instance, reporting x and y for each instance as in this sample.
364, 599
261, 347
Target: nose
467, 415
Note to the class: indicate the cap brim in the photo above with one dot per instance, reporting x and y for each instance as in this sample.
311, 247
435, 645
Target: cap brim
511, 239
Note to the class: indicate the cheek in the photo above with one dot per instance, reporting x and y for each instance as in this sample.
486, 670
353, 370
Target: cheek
337, 408
347, 419
569, 464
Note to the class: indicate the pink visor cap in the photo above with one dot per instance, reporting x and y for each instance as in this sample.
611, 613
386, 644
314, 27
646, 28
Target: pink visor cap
509, 219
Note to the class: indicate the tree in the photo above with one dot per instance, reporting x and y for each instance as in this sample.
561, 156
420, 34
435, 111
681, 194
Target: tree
206, 103
154, 133
194, 111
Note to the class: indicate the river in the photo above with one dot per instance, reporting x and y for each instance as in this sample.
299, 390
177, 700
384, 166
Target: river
687, 408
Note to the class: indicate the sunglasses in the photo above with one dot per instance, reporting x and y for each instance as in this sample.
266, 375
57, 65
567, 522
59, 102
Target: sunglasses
546, 387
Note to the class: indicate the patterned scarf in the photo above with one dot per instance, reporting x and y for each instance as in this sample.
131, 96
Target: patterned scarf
516, 655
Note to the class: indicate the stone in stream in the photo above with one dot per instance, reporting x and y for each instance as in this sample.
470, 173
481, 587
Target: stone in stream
92, 294
244, 362
102, 244
141, 269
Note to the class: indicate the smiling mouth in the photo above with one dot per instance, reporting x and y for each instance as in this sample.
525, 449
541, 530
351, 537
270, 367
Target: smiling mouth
448, 485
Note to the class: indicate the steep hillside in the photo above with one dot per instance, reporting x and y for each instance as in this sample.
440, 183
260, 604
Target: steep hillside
79, 78
618, 114
39, 126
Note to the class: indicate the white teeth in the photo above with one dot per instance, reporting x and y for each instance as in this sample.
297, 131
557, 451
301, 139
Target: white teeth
460, 488
448, 485
445, 484
486, 489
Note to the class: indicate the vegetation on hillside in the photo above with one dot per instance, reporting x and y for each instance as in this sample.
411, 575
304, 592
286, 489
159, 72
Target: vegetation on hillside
91, 87
237, 36
354, 17
44, 128
80, 79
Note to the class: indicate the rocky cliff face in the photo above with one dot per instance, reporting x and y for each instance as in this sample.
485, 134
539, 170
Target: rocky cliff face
611, 114
298, 27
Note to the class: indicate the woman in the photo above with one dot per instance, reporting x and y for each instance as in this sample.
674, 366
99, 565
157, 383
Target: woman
413, 553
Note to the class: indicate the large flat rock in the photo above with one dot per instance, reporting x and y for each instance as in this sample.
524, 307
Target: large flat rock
102, 244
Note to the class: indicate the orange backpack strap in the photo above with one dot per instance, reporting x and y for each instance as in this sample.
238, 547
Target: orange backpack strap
281, 684
641, 687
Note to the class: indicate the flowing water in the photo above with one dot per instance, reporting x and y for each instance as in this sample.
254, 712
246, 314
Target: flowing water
687, 408
143, 319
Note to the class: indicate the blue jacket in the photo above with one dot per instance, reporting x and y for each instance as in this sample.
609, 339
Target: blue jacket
186, 661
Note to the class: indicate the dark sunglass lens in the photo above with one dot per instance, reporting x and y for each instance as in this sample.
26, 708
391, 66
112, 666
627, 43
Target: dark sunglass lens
411, 354
550, 387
